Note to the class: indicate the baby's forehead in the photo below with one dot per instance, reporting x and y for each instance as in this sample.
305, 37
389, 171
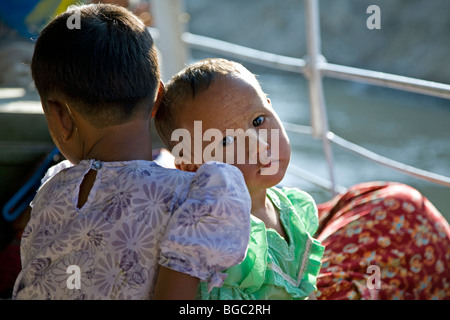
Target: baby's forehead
231, 93
236, 84
229, 100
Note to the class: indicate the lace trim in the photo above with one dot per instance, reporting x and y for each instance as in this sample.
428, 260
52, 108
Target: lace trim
288, 278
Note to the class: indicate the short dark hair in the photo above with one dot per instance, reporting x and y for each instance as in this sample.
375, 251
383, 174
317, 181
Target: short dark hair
188, 83
107, 66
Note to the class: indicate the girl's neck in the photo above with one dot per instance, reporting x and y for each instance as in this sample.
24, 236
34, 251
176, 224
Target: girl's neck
125, 142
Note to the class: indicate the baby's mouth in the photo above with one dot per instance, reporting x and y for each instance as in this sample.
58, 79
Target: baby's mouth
270, 168
267, 165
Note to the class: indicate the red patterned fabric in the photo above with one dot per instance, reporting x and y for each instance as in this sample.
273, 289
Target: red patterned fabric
385, 232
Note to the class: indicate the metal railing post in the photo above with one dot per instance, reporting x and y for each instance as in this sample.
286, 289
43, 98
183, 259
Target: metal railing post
319, 119
168, 21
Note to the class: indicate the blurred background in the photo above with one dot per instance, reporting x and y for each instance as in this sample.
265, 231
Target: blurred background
414, 41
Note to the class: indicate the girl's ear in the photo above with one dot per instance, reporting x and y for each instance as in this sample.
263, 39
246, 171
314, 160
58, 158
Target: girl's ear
60, 117
159, 98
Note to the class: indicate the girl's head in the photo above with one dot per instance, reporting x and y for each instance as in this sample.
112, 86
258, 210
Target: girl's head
101, 60
228, 117
95, 68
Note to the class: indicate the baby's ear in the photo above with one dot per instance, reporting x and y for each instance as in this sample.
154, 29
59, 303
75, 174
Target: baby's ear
190, 167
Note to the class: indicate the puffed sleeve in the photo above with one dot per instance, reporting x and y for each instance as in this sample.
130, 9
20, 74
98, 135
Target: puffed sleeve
209, 231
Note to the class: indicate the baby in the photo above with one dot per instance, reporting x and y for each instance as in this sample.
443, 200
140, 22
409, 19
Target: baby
215, 109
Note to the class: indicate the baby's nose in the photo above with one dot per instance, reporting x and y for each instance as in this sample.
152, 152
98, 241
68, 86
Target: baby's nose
259, 146
263, 150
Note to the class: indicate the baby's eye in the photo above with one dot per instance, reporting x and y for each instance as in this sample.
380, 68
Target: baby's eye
227, 140
258, 121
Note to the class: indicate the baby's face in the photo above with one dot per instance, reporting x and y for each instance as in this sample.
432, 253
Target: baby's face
237, 125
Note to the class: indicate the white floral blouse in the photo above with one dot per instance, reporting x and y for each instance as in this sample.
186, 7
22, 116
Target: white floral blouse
138, 216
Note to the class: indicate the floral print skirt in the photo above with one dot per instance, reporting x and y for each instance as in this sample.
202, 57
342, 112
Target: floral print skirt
383, 240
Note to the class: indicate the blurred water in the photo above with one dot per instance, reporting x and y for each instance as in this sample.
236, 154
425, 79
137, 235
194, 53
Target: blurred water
406, 127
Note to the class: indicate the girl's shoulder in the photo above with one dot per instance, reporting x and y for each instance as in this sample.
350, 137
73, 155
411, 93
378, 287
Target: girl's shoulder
52, 171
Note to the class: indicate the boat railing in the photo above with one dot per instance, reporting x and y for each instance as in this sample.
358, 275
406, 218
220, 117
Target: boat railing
174, 42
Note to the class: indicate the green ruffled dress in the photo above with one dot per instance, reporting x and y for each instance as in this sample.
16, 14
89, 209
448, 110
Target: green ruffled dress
273, 267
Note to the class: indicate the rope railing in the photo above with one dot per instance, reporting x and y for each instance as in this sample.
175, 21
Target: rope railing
297, 65
365, 153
